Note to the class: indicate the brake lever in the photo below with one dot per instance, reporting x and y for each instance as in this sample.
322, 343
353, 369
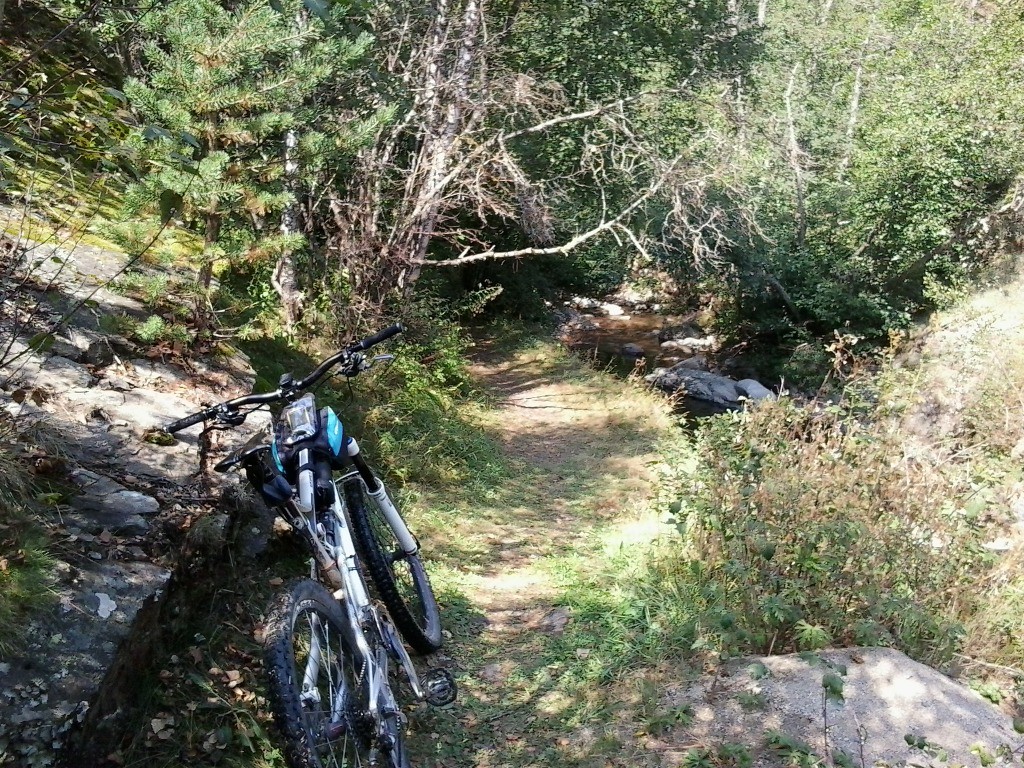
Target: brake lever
367, 363
226, 420
233, 418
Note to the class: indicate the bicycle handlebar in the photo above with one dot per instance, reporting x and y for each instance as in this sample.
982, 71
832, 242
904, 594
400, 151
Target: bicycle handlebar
188, 421
230, 407
377, 338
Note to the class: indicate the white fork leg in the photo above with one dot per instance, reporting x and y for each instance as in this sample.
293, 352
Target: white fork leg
311, 674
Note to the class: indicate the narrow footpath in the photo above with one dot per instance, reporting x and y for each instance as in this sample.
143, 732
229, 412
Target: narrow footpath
578, 448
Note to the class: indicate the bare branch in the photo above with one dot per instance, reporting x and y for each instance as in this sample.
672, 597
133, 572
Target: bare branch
605, 226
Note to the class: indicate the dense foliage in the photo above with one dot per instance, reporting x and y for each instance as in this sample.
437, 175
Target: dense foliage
812, 165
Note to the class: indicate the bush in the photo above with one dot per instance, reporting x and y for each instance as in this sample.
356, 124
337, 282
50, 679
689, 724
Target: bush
26, 569
419, 418
806, 528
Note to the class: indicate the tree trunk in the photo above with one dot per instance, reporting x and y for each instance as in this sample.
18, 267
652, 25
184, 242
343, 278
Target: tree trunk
762, 12
203, 316
211, 236
851, 124
437, 150
285, 278
794, 160
733, 9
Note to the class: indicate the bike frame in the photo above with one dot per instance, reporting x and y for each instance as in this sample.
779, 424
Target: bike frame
335, 553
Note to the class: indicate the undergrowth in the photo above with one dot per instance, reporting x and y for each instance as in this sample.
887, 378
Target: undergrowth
26, 568
796, 529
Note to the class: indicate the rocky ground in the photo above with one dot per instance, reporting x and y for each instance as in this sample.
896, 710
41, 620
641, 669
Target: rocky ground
89, 405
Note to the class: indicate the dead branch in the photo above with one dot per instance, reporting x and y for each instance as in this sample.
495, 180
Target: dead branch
605, 226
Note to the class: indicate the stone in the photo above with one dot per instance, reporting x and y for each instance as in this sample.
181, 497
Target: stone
612, 310
84, 346
54, 373
632, 350
149, 372
582, 302
754, 390
675, 345
719, 391
696, 363
107, 505
676, 332
886, 696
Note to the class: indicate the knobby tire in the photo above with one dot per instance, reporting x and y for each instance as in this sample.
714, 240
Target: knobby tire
401, 579
308, 607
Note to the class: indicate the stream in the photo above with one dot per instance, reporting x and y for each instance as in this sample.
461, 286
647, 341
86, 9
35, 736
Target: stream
603, 338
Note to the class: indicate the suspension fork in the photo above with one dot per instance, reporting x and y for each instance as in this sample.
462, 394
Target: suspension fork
375, 488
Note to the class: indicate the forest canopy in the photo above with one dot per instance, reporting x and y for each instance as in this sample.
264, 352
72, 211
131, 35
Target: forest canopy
809, 166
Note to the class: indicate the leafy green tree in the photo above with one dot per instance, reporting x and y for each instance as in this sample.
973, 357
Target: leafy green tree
519, 131
875, 135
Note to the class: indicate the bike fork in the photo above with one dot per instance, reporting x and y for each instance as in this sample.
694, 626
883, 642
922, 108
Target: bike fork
375, 488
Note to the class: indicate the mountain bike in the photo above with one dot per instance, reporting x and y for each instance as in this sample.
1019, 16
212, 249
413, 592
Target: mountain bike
328, 646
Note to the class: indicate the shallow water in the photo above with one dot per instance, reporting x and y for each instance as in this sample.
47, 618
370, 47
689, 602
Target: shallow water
605, 343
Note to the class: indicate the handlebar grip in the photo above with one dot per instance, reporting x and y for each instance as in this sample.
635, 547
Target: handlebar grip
377, 338
188, 421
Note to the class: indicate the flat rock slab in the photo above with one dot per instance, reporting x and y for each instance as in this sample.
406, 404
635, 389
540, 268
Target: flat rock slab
887, 698
46, 689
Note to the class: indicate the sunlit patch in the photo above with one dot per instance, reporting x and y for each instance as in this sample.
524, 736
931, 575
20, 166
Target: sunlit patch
635, 532
554, 703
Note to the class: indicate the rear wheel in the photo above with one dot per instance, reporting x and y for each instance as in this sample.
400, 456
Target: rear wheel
401, 579
319, 689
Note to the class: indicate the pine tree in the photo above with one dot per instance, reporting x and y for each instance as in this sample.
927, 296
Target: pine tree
221, 91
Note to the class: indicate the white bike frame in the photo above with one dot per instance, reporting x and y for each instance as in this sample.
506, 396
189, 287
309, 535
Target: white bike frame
339, 564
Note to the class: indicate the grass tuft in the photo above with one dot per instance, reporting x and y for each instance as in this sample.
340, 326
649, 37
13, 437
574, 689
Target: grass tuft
26, 568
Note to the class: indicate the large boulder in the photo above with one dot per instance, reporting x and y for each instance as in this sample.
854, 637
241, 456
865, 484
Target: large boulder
712, 391
884, 709
632, 350
699, 385
753, 390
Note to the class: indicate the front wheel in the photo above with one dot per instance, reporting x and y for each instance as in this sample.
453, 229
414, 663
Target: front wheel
401, 579
319, 687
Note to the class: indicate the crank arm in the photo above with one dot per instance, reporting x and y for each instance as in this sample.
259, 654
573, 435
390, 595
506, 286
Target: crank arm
398, 651
438, 686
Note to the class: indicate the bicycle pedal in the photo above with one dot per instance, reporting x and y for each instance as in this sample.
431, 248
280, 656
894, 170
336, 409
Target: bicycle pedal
439, 687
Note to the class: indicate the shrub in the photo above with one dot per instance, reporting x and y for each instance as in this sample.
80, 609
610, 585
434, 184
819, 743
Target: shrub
26, 569
805, 528
419, 418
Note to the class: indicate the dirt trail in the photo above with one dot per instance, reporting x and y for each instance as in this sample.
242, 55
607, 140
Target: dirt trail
579, 445
557, 428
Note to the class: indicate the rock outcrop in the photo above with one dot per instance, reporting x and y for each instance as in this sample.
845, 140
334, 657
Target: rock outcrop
94, 400
707, 392
884, 709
